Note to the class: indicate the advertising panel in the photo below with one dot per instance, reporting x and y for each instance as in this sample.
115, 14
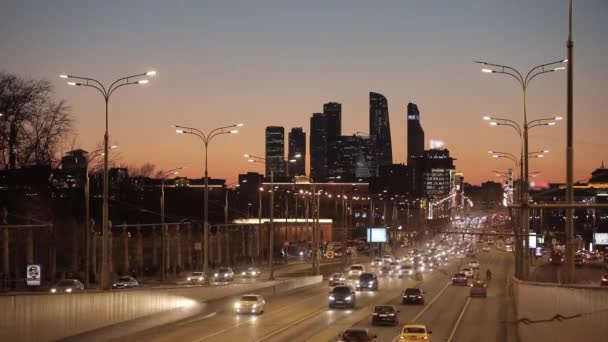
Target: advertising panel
376, 234
600, 238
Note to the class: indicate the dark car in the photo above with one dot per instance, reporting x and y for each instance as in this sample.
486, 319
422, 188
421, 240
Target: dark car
556, 258
342, 296
459, 279
125, 282
385, 314
604, 281
356, 335
367, 281
579, 260
412, 296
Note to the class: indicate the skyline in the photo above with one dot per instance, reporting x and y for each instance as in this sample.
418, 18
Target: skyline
218, 65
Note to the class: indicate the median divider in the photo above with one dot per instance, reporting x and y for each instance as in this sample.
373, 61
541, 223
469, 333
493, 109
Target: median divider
44, 317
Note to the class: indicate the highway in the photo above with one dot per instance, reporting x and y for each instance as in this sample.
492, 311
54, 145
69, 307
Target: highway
303, 315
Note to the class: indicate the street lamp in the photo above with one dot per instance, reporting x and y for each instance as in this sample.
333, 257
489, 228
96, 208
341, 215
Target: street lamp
106, 93
163, 267
206, 138
87, 214
261, 160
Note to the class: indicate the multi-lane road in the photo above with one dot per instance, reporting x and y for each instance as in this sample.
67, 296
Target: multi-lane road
303, 315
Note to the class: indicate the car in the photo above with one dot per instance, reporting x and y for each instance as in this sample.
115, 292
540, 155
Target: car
356, 269
377, 262
414, 333
342, 296
604, 280
386, 271
468, 272
471, 253
251, 272
412, 296
385, 314
556, 257
509, 248
387, 258
196, 277
356, 335
67, 286
460, 279
250, 303
395, 265
367, 281
491, 242
336, 278
125, 282
474, 264
485, 248
478, 289
223, 274
405, 271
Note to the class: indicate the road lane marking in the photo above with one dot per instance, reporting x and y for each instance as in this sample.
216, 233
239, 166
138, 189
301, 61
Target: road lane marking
254, 318
426, 307
289, 326
197, 319
466, 304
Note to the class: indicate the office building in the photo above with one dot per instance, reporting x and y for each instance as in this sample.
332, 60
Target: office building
275, 151
333, 117
297, 147
380, 128
318, 147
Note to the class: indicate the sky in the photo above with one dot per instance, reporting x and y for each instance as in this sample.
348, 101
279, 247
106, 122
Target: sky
275, 63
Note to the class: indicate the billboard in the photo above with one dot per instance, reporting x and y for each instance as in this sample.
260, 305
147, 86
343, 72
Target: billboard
33, 275
376, 234
532, 240
600, 238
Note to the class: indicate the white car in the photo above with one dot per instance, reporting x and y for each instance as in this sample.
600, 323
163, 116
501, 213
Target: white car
468, 272
125, 282
377, 262
196, 278
356, 270
474, 264
250, 303
486, 248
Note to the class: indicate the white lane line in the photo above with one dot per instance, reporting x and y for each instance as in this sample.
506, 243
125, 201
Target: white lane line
289, 326
426, 307
459, 319
197, 319
254, 318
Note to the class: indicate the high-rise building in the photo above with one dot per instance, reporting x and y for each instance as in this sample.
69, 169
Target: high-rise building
275, 151
415, 134
437, 171
297, 146
318, 146
333, 117
380, 128
355, 157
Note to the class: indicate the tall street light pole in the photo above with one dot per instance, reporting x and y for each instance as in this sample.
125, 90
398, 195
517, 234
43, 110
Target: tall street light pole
206, 138
256, 159
87, 215
570, 156
524, 82
163, 226
106, 93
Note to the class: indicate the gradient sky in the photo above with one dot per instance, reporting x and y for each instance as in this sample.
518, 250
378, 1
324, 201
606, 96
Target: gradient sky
276, 62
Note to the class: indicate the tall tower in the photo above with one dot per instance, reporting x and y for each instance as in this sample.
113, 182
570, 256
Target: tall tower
275, 151
333, 117
380, 128
318, 146
415, 134
297, 146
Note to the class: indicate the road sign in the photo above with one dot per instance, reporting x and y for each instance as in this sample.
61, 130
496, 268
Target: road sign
330, 254
33, 273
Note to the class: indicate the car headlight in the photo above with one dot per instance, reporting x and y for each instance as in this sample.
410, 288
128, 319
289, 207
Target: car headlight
255, 305
53, 290
348, 298
188, 278
371, 282
68, 290
225, 274
237, 305
244, 273
357, 282
332, 298
215, 275
200, 278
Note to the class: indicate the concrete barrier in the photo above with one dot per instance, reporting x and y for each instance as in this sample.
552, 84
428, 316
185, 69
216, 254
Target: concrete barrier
44, 317
553, 312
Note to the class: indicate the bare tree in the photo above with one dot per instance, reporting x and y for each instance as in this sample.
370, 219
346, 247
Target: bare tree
146, 170
33, 126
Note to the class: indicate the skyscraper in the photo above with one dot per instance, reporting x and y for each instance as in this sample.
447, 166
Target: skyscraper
380, 128
333, 117
415, 134
275, 151
355, 157
297, 146
318, 146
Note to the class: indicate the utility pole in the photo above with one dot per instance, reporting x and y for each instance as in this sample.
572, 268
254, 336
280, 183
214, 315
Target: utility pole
570, 156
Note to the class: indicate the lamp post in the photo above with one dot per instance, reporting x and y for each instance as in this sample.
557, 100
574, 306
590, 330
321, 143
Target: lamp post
87, 215
206, 139
163, 228
255, 159
106, 93
523, 134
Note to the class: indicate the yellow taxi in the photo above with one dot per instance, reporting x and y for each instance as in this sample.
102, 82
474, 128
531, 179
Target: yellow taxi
414, 333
